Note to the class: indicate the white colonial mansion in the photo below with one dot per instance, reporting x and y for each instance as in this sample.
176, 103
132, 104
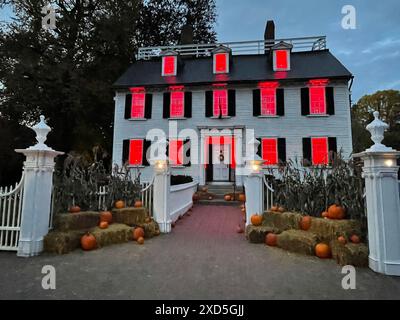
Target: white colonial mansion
293, 93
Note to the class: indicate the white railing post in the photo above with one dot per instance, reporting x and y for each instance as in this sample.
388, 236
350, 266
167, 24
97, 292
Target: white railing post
383, 203
38, 182
253, 182
161, 189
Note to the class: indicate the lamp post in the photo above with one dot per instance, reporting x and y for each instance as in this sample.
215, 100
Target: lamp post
383, 203
253, 182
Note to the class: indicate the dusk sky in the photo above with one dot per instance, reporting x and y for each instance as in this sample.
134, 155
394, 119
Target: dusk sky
371, 51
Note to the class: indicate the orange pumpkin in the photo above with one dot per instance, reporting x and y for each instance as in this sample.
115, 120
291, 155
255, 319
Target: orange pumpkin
106, 216
305, 223
242, 197
195, 197
323, 251
342, 240
88, 242
137, 233
239, 229
227, 197
140, 240
271, 239
256, 219
355, 238
138, 204
281, 209
324, 214
336, 212
119, 204
274, 208
103, 225
74, 209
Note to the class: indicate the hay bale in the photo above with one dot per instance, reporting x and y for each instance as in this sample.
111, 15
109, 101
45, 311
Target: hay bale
328, 230
282, 221
298, 241
130, 216
149, 228
256, 234
115, 233
61, 242
350, 253
76, 221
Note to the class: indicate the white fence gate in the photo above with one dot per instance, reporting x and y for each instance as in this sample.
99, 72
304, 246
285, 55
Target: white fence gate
10, 215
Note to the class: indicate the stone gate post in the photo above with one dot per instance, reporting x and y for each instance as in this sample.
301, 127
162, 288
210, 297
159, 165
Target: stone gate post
38, 184
383, 203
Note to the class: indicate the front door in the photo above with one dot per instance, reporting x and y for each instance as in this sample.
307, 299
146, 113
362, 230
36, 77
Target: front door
220, 155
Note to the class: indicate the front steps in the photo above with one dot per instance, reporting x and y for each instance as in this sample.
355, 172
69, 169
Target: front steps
217, 193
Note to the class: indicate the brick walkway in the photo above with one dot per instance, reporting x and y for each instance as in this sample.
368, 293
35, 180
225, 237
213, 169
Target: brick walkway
203, 258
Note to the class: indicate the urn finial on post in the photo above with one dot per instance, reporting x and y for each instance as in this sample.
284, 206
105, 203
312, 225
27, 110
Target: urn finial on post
42, 130
377, 129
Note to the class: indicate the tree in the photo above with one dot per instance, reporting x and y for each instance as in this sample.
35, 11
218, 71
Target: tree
387, 102
67, 73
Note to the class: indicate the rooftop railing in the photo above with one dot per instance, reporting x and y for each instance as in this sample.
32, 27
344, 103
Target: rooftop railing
242, 47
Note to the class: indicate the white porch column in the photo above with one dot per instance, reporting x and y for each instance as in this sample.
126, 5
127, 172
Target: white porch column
238, 134
202, 174
38, 183
161, 188
383, 203
253, 183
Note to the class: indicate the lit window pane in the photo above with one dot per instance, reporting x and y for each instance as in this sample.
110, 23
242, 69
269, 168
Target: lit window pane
269, 151
268, 104
177, 98
136, 152
317, 100
319, 151
137, 110
220, 103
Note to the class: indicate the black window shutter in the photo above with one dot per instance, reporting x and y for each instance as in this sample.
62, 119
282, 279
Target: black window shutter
332, 147
231, 103
125, 151
281, 150
146, 146
148, 105
209, 104
330, 102
259, 148
128, 105
167, 150
166, 104
280, 102
307, 152
256, 102
187, 155
188, 104
305, 101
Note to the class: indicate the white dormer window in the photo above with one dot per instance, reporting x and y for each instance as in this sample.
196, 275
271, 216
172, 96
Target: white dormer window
281, 56
221, 60
169, 64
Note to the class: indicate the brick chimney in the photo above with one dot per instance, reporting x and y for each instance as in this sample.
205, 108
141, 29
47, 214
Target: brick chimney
269, 34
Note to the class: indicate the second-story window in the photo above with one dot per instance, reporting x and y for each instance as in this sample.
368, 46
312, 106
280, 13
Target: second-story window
138, 104
268, 101
177, 104
220, 102
317, 100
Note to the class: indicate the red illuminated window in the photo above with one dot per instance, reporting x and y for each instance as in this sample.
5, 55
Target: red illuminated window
319, 149
269, 148
221, 63
138, 102
176, 152
220, 103
135, 152
281, 59
169, 66
177, 104
317, 100
268, 101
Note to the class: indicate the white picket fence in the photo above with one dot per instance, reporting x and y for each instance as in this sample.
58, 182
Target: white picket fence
11, 199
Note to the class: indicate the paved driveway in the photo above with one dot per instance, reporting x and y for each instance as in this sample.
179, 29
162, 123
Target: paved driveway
203, 258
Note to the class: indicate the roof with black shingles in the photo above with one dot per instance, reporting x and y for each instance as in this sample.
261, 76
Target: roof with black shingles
243, 68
